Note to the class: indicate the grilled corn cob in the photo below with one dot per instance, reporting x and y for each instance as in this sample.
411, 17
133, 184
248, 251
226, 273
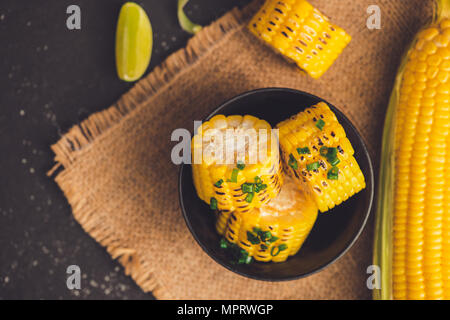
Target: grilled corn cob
318, 154
275, 231
231, 175
412, 243
301, 33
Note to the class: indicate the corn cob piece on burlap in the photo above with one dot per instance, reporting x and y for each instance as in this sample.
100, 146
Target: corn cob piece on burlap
300, 33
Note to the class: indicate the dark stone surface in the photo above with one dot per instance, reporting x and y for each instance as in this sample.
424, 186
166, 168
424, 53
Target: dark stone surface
50, 79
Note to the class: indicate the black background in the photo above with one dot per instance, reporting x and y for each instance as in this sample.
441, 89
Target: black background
50, 79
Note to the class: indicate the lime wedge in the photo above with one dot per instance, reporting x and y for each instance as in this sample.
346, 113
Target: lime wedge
134, 42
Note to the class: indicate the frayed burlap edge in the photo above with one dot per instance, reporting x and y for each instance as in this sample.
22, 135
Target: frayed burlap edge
81, 136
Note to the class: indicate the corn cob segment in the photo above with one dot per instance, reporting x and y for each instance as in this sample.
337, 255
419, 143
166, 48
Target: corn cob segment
305, 139
236, 163
420, 265
301, 33
289, 218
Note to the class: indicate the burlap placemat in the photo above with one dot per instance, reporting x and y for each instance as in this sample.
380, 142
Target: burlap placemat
119, 179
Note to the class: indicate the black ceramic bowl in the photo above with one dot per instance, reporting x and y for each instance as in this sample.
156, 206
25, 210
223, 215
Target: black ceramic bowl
334, 232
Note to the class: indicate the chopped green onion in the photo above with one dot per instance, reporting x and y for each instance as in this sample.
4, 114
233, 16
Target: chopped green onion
263, 246
258, 180
331, 153
260, 187
234, 176
320, 124
333, 173
213, 203
185, 23
334, 170
244, 257
250, 197
252, 238
240, 165
238, 254
256, 230
304, 150
265, 236
273, 239
324, 151
313, 166
247, 187
260, 232
335, 161
223, 243
279, 248
276, 253
218, 183
293, 162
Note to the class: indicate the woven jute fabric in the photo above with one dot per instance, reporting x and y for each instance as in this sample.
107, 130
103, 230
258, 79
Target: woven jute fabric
117, 174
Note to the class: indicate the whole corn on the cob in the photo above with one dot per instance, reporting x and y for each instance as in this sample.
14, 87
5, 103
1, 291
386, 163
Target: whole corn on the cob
301, 33
318, 154
275, 231
236, 176
412, 244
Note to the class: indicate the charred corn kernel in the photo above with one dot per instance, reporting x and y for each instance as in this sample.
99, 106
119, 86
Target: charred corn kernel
222, 221
288, 218
418, 123
314, 170
301, 33
236, 163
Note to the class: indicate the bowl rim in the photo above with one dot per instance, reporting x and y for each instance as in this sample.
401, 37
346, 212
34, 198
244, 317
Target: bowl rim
369, 185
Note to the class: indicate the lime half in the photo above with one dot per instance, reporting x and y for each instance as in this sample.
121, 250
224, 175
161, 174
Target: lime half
134, 42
